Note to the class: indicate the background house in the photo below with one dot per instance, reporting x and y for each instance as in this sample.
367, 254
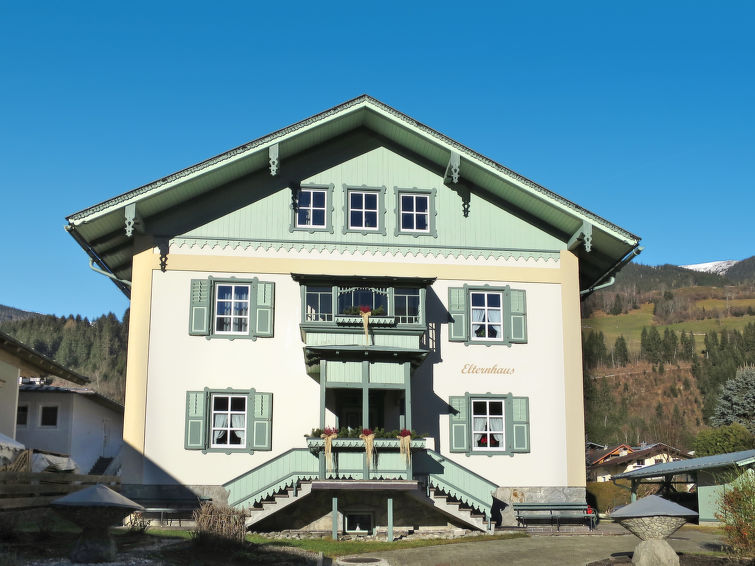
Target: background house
74, 421
625, 459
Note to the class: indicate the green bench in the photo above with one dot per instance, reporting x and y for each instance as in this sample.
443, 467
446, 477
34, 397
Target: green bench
554, 513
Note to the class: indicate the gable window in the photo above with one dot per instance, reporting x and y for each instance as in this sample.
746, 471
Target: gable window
312, 208
228, 420
364, 210
48, 416
489, 424
22, 415
231, 308
415, 212
487, 315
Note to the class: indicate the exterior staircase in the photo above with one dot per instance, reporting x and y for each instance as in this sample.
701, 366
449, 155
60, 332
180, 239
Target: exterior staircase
278, 501
447, 487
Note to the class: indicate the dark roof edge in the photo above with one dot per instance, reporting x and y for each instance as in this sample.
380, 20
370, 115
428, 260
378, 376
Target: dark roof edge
43, 364
86, 393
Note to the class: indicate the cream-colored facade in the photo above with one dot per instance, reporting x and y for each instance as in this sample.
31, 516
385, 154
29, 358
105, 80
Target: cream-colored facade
442, 229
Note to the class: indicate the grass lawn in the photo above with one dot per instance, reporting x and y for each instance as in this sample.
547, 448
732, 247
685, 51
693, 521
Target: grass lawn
630, 326
332, 549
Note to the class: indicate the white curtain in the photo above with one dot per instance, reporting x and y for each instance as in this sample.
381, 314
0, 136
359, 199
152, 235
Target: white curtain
496, 424
478, 424
495, 316
220, 422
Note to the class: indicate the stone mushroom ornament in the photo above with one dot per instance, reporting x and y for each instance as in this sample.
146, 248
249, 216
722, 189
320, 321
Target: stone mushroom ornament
653, 519
95, 509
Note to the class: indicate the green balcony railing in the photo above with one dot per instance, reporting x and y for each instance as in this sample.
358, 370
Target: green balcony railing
349, 458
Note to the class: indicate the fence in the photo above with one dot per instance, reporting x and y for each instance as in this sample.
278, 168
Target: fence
23, 490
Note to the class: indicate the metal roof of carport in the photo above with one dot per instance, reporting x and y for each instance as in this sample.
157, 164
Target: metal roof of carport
717, 461
100, 229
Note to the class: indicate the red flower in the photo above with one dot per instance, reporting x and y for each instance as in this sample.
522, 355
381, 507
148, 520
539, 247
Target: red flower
405, 432
327, 431
484, 440
365, 308
366, 431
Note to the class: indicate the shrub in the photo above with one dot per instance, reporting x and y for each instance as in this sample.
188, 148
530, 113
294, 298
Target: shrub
218, 525
136, 523
737, 505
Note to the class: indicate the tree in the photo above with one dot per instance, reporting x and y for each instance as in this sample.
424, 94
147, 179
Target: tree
618, 305
723, 439
620, 351
736, 403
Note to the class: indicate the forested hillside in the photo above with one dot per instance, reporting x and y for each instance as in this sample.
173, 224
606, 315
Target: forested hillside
95, 349
658, 348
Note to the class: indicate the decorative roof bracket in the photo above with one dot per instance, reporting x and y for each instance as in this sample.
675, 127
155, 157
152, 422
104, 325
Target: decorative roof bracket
453, 168
133, 220
583, 235
273, 155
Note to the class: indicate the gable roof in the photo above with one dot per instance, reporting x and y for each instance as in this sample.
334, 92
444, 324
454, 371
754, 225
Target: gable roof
100, 229
34, 364
82, 391
717, 461
653, 450
595, 457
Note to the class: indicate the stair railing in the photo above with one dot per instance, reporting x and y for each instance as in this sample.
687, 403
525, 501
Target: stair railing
282, 472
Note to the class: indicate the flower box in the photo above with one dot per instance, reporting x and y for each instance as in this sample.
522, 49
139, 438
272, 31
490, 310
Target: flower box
316, 445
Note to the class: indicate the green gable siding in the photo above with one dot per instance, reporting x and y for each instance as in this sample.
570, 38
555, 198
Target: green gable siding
268, 218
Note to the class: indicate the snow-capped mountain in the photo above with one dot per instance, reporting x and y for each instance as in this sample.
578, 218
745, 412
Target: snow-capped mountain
719, 267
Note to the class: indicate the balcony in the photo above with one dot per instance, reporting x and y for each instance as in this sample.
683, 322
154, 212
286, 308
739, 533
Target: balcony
349, 459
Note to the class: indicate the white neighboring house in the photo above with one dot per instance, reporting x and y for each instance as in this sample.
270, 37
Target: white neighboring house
75, 421
17, 361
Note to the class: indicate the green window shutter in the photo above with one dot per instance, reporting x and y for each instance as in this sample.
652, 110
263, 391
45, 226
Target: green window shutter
458, 421
264, 313
195, 435
519, 429
260, 428
199, 307
516, 311
458, 328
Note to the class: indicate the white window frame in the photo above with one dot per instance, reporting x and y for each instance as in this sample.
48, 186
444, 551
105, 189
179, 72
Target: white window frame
414, 213
486, 322
57, 415
487, 431
364, 210
28, 413
311, 208
232, 316
228, 428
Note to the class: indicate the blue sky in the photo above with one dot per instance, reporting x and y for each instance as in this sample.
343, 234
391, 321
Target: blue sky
641, 112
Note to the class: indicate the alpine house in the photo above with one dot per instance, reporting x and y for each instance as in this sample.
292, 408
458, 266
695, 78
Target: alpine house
301, 302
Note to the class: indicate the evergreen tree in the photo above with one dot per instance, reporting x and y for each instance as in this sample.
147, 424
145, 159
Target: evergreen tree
736, 403
620, 352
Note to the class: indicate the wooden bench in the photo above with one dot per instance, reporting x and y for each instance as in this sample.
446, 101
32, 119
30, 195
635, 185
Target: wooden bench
176, 509
554, 513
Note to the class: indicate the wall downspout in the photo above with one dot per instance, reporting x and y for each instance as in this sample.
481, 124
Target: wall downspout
106, 274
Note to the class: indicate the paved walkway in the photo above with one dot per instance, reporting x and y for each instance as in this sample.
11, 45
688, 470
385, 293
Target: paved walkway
540, 550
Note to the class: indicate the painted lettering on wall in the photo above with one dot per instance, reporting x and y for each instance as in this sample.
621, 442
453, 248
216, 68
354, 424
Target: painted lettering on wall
472, 368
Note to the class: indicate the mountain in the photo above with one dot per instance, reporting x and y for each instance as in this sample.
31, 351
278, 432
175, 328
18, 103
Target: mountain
10, 313
742, 271
719, 267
